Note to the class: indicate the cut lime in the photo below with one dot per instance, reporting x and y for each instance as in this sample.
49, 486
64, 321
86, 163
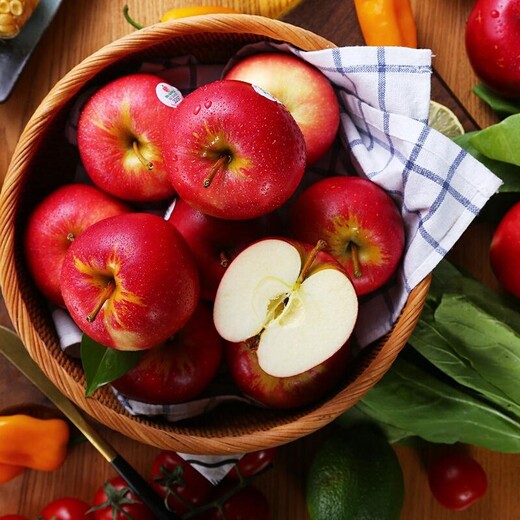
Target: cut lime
442, 119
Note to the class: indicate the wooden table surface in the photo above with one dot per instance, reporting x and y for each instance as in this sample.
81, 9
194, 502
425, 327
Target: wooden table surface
82, 27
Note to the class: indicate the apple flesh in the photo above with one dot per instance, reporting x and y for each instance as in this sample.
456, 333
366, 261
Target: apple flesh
180, 369
214, 242
232, 151
360, 223
505, 251
303, 89
130, 281
492, 41
291, 299
55, 223
283, 392
120, 139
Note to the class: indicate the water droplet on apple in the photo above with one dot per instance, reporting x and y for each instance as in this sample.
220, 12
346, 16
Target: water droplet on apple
207, 104
196, 110
494, 13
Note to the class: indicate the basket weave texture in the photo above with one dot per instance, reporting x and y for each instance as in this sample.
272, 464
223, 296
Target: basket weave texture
43, 160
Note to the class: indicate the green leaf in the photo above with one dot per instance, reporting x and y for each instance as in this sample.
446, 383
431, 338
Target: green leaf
429, 341
412, 399
490, 346
103, 365
508, 173
500, 141
499, 104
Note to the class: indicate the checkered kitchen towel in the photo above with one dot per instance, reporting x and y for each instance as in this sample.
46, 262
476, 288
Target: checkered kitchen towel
384, 95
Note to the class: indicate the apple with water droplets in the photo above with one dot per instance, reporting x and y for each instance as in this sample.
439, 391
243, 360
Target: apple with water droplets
303, 89
360, 223
292, 300
130, 281
119, 138
55, 223
233, 151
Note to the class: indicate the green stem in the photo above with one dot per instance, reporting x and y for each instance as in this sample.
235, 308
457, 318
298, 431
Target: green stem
130, 20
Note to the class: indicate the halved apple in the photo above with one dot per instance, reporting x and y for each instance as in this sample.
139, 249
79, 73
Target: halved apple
292, 298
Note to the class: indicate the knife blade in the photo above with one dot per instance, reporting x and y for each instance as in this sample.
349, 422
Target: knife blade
14, 351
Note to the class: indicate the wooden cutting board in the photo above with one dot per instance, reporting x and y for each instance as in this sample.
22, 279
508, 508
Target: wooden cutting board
336, 20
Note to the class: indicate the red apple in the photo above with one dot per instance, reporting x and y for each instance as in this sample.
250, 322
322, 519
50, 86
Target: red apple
120, 138
505, 250
52, 226
130, 281
181, 368
232, 151
290, 300
360, 223
283, 392
492, 43
214, 242
303, 89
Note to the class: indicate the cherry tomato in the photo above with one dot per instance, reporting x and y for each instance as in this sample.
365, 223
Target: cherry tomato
252, 463
66, 508
179, 482
115, 501
456, 480
249, 503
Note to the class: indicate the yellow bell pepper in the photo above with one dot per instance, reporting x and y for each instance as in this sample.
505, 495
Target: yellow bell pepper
33, 443
182, 12
387, 22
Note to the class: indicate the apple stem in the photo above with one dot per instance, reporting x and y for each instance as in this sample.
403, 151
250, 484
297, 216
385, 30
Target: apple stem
216, 167
224, 259
354, 253
321, 244
147, 164
103, 297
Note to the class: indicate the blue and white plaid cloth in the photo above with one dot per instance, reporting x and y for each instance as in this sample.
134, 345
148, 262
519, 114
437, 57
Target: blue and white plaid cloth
384, 95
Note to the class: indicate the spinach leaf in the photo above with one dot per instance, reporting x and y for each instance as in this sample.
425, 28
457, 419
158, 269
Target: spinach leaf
509, 173
103, 365
413, 400
491, 347
500, 141
499, 104
429, 340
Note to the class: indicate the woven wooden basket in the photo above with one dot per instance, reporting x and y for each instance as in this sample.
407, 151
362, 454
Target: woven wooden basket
42, 162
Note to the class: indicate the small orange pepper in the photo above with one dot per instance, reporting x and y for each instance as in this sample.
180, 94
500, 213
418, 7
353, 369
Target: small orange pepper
387, 22
33, 443
9, 471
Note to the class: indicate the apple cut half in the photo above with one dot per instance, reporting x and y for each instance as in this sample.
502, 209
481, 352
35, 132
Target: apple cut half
293, 298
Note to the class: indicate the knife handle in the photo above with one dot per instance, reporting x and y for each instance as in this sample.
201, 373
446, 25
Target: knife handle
143, 489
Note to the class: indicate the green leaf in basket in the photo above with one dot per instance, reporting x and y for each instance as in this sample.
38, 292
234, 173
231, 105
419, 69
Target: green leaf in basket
103, 365
500, 141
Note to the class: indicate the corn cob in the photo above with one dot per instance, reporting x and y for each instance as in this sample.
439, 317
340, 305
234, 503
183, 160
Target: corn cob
13, 15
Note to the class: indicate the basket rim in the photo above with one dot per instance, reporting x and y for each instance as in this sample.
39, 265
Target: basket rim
143, 430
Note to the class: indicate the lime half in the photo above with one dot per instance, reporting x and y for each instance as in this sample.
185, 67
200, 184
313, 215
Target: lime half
442, 119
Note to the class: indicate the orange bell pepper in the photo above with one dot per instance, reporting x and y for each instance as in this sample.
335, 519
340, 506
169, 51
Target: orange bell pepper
387, 22
33, 443
9, 471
